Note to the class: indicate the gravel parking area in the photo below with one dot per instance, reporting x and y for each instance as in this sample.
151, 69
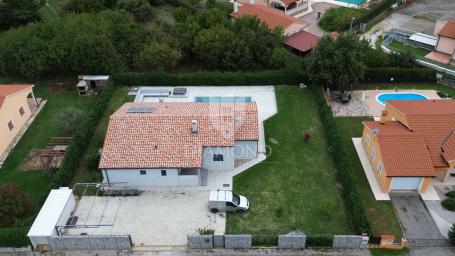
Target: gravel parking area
431, 9
155, 218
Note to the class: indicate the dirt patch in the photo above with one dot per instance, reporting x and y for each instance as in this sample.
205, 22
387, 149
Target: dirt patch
431, 9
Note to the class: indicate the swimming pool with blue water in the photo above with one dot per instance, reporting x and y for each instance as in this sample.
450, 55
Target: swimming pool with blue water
222, 99
383, 97
356, 2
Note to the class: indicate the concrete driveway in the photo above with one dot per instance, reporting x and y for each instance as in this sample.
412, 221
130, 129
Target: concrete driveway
414, 217
160, 217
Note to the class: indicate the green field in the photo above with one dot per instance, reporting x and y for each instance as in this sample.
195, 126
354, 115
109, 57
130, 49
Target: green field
295, 187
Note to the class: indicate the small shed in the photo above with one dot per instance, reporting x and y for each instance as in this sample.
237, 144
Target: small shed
423, 40
55, 212
91, 83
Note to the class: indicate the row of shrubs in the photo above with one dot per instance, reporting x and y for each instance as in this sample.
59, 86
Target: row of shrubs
66, 172
374, 11
400, 75
271, 77
14, 237
345, 174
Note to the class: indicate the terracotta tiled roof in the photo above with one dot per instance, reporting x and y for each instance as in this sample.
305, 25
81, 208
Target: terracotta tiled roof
302, 41
433, 119
417, 161
271, 17
9, 89
394, 139
288, 2
448, 147
448, 30
163, 138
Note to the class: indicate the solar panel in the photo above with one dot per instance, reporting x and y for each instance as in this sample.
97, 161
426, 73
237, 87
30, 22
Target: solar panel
179, 91
140, 110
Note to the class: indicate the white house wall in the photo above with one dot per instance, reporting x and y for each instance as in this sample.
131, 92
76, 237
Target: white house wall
134, 178
247, 149
226, 164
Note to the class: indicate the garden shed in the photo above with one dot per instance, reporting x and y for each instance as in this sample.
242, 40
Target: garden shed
55, 212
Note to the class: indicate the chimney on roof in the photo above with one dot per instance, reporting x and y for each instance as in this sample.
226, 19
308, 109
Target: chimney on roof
251, 1
383, 115
194, 127
376, 131
236, 6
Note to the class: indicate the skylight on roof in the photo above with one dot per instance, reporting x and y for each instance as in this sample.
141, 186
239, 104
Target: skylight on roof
140, 110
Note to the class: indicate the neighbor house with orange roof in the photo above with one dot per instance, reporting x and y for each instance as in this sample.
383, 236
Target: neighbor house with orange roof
445, 46
15, 110
413, 143
177, 143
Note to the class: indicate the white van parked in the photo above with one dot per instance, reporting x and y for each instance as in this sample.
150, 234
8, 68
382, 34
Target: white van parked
226, 201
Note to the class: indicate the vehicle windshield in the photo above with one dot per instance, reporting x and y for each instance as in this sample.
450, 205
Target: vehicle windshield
235, 199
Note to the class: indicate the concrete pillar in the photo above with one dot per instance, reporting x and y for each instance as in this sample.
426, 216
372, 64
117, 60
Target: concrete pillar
34, 98
236, 6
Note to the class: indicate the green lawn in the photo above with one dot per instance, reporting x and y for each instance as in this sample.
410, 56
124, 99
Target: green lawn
36, 183
380, 214
400, 47
295, 188
85, 174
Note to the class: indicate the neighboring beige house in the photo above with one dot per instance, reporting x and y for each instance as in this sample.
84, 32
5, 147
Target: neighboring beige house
445, 47
15, 110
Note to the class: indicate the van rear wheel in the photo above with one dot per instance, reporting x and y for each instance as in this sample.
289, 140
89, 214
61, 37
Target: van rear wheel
214, 210
240, 211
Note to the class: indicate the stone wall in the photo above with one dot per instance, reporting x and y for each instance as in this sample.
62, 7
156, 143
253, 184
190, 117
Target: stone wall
346, 241
237, 241
292, 240
91, 242
200, 241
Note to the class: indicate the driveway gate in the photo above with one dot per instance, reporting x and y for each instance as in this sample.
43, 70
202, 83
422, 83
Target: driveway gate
218, 241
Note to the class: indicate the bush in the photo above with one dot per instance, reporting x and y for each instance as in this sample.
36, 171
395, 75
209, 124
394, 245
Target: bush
65, 173
159, 56
445, 95
80, 6
272, 77
345, 175
374, 11
14, 204
449, 204
68, 120
339, 18
92, 159
141, 9
452, 235
403, 75
14, 237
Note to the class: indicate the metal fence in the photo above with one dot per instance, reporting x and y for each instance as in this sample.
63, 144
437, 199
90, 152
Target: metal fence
91, 242
428, 243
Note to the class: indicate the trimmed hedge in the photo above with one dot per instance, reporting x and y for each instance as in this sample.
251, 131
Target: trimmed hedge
209, 78
403, 75
374, 11
13, 237
65, 173
345, 174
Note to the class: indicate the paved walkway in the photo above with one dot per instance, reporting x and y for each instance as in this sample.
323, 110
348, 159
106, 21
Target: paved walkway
311, 18
374, 185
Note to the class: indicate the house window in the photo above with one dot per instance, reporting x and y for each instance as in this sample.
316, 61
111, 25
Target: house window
373, 154
367, 140
163, 173
379, 168
21, 111
10, 125
143, 172
218, 157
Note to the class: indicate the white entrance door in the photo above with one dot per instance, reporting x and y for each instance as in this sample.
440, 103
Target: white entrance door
406, 183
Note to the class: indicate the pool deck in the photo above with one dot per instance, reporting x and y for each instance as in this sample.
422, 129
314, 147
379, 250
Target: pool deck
364, 103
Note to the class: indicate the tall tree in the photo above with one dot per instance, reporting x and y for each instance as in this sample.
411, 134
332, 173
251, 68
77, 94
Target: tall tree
338, 63
18, 12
